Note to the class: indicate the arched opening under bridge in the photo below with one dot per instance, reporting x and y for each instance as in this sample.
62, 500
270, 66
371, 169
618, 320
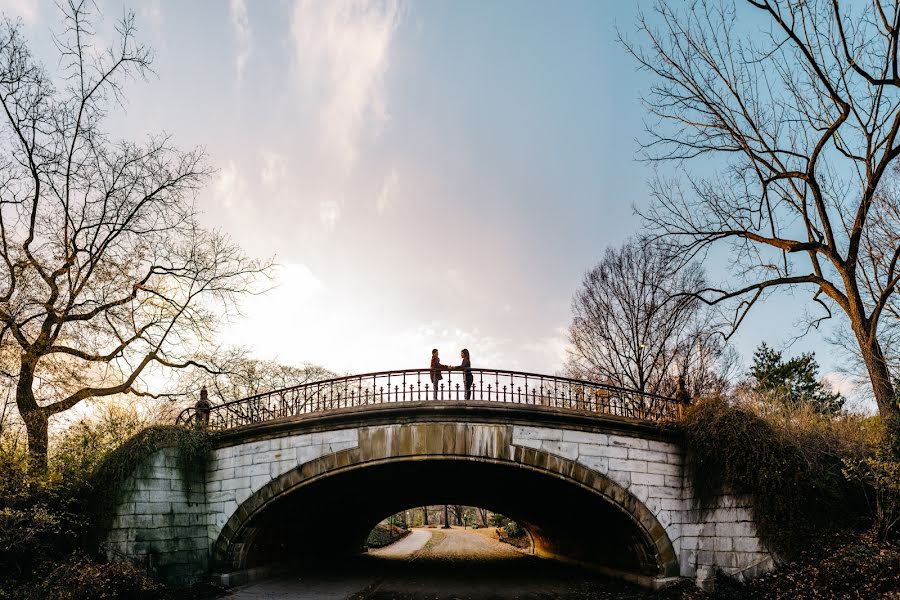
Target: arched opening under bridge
571, 513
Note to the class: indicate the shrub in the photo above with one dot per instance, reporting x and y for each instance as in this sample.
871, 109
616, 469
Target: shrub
514, 534
513, 529
80, 578
82, 446
497, 520
41, 519
13, 469
879, 479
384, 534
791, 464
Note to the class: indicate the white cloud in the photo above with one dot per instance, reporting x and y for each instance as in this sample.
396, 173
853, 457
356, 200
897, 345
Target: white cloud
152, 13
549, 352
856, 391
293, 300
27, 10
231, 188
486, 350
274, 168
241, 25
329, 213
388, 191
342, 51
840, 382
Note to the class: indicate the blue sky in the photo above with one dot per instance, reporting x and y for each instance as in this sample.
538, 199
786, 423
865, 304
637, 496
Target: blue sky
426, 173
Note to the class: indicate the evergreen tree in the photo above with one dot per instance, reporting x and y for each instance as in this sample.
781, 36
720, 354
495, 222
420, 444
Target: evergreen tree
794, 382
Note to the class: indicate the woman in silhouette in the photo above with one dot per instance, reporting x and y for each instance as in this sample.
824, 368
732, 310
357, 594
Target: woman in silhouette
436, 367
466, 368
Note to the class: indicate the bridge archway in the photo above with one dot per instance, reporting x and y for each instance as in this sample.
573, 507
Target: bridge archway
330, 503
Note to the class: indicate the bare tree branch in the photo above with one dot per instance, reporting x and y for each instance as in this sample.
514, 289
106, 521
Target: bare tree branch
800, 118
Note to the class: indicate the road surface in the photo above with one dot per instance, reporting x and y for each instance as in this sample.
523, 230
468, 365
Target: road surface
441, 564
406, 547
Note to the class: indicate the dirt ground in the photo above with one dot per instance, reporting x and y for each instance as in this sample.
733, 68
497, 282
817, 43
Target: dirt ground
444, 564
462, 544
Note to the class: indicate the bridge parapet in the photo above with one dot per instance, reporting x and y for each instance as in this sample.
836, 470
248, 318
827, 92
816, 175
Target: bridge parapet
474, 386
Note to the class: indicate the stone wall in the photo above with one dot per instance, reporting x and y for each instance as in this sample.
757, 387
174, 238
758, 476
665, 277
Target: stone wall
173, 527
653, 471
723, 537
238, 471
161, 522
167, 524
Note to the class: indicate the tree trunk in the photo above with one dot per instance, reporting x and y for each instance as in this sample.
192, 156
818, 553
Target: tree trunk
483, 516
882, 388
880, 376
424, 515
35, 418
36, 428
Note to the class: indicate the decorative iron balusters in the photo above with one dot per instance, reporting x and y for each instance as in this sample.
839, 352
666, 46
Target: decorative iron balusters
415, 385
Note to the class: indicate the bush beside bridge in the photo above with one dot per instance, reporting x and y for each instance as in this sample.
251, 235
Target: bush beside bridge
826, 494
384, 535
48, 525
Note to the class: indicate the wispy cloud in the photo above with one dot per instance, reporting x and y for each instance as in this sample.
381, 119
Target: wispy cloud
27, 10
329, 213
388, 193
342, 51
152, 13
274, 168
241, 25
840, 382
549, 350
231, 188
856, 390
297, 296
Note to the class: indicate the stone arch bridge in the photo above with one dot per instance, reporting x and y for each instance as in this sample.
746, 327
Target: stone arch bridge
591, 471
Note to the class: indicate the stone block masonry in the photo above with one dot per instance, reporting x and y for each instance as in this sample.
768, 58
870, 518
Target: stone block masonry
161, 522
236, 472
167, 524
723, 537
174, 525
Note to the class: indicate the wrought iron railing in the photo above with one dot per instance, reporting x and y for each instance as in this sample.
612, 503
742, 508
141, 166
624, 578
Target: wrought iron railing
415, 385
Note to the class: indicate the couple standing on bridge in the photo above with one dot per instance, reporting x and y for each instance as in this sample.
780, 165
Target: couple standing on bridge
465, 367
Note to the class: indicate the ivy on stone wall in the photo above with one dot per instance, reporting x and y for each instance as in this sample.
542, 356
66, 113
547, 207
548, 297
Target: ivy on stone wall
132, 458
794, 478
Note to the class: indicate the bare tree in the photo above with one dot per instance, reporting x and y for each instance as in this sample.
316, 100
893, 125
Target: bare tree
483, 516
635, 323
458, 512
104, 270
878, 241
798, 125
233, 374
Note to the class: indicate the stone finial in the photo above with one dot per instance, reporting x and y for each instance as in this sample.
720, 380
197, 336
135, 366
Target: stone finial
203, 408
681, 394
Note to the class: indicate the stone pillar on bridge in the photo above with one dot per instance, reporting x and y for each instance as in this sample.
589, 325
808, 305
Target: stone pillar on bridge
203, 408
682, 397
